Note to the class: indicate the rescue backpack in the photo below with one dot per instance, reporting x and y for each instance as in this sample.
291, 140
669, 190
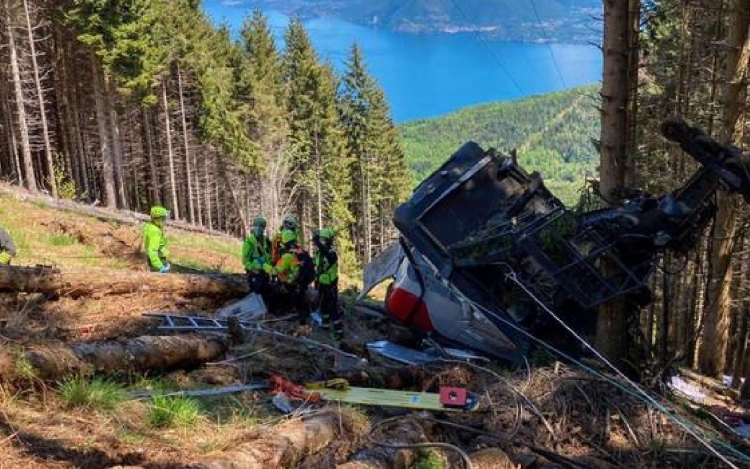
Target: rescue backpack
306, 274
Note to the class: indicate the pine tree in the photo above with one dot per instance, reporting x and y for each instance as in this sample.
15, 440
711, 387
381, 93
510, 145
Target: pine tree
321, 162
379, 173
261, 92
356, 88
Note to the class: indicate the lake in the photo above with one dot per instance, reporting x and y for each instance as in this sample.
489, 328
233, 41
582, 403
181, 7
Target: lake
428, 75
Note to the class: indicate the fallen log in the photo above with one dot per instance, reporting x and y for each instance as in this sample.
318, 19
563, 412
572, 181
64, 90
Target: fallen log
712, 384
282, 447
148, 353
107, 282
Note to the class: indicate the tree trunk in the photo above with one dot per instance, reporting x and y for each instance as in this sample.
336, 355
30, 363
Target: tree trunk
80, 157
79, 284
29, 176
207, 190
42, 108
108, 174
611, 334
231, 189
319, 183
198, 195
366, 213
12, 144
114, 125
664, 317
147, 353
188, 169
739, 352
715, 336
170, 153
281, 447
153, 187
62, 111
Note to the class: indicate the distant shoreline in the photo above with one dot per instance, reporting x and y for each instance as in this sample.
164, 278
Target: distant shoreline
525, 33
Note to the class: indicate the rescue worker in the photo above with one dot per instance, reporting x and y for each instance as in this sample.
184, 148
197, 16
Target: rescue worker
7, 248
289, 223
256, 253
154, 241
327, 282
287, 270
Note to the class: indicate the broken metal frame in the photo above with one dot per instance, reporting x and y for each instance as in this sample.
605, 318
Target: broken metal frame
577, 273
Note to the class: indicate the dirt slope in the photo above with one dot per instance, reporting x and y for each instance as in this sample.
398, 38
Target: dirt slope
88, 422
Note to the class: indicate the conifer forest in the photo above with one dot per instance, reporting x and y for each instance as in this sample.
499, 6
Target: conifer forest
132, 103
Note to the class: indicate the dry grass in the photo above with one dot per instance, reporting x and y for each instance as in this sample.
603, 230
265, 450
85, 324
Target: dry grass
48, 237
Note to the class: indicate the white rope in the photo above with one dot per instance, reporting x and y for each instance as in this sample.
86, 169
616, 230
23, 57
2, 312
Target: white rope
512, 276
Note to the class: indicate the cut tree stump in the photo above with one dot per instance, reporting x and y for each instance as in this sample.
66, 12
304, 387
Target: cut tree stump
103, 282
148, 353
282, 447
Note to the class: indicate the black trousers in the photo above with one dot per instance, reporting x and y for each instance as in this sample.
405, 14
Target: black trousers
258, 281
329, 308
286, 298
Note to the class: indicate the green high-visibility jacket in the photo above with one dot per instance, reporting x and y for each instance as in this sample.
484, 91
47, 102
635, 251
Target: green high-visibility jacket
256, 252
155, 245
286, 269
326, 267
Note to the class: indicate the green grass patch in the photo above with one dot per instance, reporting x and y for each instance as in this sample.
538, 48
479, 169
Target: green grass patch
156, 384
97, 394
166, 412
24, 368
61, 240
42, 205
430, 459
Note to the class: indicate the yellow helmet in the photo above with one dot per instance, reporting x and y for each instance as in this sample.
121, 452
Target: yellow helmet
157, 211
288, 236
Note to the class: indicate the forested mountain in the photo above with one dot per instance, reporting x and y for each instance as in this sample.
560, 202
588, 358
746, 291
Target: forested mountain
129, 103
542, 20
552, 134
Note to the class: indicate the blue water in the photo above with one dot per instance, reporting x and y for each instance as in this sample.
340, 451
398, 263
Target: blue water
428, 75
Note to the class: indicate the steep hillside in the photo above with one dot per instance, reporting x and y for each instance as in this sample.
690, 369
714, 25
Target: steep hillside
556, 20
551, 132
48, 237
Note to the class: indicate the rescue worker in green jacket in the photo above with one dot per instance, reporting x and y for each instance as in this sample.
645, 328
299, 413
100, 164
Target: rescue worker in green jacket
256, 253
327, 281
287, 291
7, 248
154, 241
289, 223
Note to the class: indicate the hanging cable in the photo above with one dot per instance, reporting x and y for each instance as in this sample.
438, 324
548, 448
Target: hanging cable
636, 391
489, 49
549, 46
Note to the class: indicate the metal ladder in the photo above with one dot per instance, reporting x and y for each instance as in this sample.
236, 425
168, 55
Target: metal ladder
179, 323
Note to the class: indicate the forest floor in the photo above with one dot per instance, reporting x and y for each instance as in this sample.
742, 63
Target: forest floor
543, 416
